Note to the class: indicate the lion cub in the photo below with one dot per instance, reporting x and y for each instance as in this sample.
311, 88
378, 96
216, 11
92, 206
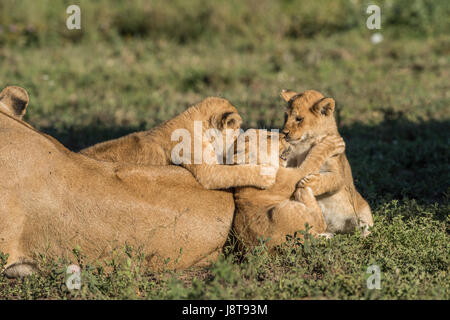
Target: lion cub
272, 214
158, 147
310, 116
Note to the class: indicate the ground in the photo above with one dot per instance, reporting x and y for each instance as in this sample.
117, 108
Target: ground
131, 68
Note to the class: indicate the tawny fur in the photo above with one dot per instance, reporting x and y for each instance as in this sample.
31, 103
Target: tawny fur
272, 214
53, 200
310, 116
14, 101
154, 147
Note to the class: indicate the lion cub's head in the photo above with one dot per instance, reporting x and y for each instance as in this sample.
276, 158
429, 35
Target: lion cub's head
248, 148
309, 115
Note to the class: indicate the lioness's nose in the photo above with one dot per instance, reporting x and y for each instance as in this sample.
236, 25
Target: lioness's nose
285, 131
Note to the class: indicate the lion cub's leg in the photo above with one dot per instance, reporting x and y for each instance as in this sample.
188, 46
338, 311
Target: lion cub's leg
302, 195
364, 215
214, 176
291, 216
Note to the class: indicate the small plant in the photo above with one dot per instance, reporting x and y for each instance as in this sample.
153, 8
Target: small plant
3, 261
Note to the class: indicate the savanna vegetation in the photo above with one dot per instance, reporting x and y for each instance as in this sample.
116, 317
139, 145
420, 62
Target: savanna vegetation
135, 64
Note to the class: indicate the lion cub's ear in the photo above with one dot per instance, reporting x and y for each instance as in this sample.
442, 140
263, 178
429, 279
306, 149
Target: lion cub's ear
231, 120
287, 94
14, 101
324, 107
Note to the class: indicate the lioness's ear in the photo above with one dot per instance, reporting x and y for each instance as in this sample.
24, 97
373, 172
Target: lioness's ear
231, 120
287, 94
14, 101
325, 107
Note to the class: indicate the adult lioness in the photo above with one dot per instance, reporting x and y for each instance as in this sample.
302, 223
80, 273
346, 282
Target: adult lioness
273, 214
53, 200
155, 147
309, 116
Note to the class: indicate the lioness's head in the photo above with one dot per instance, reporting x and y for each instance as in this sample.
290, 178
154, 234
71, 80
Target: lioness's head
14, 101
308, 115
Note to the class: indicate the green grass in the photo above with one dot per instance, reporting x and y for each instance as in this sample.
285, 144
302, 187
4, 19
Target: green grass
132, 67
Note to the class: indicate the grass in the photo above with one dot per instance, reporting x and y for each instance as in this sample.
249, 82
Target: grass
132, 67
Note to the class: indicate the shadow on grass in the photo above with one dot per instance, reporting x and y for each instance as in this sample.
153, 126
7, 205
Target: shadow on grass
79, 137
395, 159
400, 159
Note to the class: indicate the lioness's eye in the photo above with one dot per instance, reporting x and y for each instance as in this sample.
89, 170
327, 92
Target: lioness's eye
298, 119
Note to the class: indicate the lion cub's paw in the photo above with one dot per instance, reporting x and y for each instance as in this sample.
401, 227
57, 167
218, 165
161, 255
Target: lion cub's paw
304, 195
334, 143
311, 180
365, 232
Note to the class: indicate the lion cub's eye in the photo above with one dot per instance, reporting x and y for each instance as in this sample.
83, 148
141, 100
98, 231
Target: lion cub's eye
299, 119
